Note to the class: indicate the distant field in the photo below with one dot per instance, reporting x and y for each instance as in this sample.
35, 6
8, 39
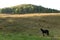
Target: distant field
27, 26
28, 15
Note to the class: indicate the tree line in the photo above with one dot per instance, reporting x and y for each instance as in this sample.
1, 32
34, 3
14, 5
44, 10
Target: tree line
27, 8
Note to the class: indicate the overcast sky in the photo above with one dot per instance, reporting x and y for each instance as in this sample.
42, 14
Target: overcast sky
54, 4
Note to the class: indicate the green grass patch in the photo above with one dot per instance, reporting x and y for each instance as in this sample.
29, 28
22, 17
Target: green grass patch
19, 36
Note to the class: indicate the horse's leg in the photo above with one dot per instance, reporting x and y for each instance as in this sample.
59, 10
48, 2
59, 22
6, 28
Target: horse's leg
47, 33
43, 34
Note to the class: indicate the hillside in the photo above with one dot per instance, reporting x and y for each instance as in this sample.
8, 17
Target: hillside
27, 8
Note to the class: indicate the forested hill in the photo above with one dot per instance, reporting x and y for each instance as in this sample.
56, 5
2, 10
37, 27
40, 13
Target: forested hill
27, 8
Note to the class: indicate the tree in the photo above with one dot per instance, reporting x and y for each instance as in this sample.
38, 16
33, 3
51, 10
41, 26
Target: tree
6, 10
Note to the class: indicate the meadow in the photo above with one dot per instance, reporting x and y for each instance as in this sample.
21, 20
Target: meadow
27, 26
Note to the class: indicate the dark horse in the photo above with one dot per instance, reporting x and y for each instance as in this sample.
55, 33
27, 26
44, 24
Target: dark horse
45, 32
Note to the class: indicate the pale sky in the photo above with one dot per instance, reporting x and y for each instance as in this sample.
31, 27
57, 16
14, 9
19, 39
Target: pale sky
54, 4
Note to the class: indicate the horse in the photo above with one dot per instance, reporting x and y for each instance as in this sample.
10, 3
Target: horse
45, 32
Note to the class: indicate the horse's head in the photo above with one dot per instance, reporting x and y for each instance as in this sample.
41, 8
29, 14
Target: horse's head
41, 29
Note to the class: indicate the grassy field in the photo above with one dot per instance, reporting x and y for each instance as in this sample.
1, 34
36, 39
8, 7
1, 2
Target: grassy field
27, 27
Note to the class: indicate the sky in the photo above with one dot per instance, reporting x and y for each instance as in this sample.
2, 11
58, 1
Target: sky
54, 4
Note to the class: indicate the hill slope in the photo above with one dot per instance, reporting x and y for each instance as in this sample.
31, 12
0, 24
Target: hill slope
28, 8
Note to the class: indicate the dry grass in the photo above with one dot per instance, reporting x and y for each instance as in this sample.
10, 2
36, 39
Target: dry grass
28, 15
29, 27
